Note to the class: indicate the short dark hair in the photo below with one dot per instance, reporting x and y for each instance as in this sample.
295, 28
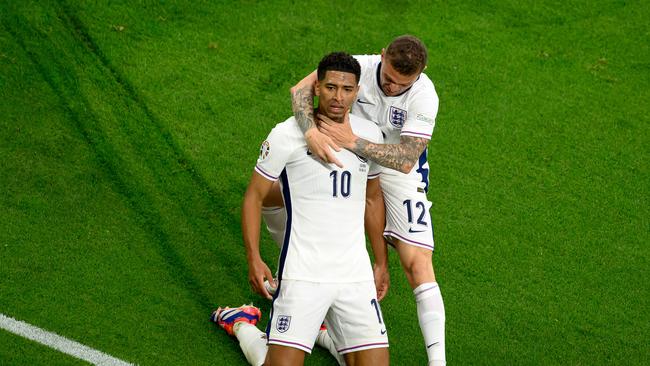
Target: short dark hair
407, 54
339, 61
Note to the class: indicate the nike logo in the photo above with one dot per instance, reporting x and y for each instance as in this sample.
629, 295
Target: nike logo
362, 101
416, 231
383, 331
432, 344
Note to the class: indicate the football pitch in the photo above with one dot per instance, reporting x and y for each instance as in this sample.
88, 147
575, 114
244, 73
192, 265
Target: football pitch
129, 130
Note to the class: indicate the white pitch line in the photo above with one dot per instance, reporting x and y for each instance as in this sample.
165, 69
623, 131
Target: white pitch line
59, 343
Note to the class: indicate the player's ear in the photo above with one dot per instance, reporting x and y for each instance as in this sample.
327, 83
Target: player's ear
382, 54
317, 88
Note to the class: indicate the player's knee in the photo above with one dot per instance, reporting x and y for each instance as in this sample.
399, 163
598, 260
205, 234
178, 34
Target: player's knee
419, 270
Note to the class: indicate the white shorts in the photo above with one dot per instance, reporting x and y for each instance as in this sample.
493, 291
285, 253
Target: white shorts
350, 311
407, 212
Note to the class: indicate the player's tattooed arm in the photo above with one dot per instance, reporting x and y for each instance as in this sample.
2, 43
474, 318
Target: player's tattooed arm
302, 101
401, 157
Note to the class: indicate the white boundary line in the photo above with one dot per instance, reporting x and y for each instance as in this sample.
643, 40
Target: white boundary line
59, 343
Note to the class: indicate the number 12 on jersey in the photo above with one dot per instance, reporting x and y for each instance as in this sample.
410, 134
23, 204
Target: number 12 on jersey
409, 212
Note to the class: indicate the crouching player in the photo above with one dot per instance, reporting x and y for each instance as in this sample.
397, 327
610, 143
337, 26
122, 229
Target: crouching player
324, 271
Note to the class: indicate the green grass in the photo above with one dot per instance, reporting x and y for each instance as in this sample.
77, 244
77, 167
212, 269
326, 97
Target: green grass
129, 131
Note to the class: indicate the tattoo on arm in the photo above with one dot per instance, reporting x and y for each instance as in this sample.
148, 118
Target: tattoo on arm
401, 157
302, 102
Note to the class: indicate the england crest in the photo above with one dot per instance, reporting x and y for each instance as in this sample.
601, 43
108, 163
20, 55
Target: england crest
397, 116
283, 323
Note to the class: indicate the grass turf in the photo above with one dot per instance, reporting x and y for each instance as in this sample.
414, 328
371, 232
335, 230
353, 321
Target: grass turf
129, 133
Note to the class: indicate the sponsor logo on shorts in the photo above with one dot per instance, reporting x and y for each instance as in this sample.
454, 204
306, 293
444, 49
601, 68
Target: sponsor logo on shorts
416, 231
283, 323
383, 331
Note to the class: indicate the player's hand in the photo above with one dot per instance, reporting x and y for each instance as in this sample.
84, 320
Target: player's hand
321, 146
340, 133
258, 271
382, 280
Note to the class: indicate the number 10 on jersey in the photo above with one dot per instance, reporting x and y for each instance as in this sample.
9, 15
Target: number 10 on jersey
345, 178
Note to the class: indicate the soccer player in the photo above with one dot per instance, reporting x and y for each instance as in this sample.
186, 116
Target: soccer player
402, 101
324, 269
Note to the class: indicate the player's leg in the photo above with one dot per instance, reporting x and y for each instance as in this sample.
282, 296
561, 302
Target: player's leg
240, 322
356, 325
419, 272
325, 341
416, 262
369, 357
284, 356
410, 231
298, 311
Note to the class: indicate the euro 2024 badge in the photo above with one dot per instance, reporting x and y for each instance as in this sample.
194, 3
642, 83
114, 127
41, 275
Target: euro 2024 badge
265, 149
283, 323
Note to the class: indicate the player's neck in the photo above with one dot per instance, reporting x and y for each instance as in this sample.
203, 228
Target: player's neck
318, 111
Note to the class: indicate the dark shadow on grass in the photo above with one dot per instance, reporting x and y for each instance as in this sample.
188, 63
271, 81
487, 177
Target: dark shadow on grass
51, 63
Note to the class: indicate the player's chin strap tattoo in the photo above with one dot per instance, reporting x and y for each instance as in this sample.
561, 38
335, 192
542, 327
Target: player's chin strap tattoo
401, 157
302, 103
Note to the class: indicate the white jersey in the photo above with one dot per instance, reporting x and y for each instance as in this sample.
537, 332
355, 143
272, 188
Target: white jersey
324, 237
412, 113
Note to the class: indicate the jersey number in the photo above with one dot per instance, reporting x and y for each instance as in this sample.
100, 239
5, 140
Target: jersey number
345, 183
409, 212
374, 303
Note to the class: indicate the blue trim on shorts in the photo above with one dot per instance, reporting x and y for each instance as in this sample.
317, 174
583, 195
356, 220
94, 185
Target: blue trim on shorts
424, 172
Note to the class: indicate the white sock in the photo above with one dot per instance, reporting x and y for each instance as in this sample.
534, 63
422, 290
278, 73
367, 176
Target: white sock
252, 342
431, 315
324, 340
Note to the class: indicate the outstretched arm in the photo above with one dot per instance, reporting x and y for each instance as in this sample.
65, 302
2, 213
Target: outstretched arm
302, 102
401, 157
375, 221
257, 189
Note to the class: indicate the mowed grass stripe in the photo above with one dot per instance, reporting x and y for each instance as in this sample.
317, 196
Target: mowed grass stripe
119, 167
170, 200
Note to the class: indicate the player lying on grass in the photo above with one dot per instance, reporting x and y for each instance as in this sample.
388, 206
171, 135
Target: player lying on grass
324, 271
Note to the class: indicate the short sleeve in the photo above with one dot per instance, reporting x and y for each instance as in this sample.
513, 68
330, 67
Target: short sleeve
274, 154
422, 112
